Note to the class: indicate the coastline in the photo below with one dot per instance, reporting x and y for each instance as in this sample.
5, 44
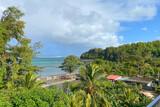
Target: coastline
57, 79
49, 66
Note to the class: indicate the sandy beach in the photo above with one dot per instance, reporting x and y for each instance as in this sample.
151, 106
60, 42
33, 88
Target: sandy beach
57, 79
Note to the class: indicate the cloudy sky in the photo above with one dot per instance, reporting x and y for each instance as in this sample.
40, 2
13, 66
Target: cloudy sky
73, 26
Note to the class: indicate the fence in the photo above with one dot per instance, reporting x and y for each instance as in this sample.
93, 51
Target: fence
155, 102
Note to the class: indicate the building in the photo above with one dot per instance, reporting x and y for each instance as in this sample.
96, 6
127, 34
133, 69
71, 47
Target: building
146, 83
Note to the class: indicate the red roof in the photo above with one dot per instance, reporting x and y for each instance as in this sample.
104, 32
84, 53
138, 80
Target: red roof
113, 77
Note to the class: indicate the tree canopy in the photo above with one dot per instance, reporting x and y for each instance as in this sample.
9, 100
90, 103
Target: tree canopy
15, 59
70, 64
130, 59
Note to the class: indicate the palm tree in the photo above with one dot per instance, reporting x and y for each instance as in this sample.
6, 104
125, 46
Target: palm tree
92, 92
30, 81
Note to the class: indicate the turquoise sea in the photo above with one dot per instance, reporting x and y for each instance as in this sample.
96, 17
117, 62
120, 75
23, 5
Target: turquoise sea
50, 66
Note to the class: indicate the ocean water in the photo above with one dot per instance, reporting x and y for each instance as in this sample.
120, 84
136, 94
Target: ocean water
50, 66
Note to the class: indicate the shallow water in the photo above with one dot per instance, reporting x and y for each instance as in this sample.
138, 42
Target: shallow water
50, 65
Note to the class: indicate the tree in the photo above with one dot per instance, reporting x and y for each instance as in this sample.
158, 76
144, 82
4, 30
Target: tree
71, 64
93, 54
29, 81
92, 91
15, 60
105, 66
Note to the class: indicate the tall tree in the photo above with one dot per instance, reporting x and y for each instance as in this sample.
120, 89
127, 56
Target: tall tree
92, 91
15, 60
71, 63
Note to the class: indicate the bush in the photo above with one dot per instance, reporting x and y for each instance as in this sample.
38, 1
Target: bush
4, 100
40, 98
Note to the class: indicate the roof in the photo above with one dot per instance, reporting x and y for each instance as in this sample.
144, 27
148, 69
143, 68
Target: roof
124, 78
114, 77
138, 80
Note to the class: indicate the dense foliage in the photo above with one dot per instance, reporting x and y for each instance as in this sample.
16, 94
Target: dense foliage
131, 59
94, 90
145, 50
38, 97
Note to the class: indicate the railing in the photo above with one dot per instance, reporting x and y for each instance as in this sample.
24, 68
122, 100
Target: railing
155, 102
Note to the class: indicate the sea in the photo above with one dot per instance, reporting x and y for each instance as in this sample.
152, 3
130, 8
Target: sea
49, 66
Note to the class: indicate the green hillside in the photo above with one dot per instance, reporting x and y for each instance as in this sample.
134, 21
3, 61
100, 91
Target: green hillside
130, 59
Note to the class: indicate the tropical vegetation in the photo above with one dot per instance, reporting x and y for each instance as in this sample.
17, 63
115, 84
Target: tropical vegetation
19, 86
134, 59
71, 63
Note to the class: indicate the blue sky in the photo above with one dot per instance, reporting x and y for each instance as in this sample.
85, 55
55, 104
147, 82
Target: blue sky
147, 30
73, 26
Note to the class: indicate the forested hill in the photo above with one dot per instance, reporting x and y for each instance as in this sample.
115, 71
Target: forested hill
141, 50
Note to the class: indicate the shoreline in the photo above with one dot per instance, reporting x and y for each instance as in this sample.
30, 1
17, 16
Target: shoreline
57, 79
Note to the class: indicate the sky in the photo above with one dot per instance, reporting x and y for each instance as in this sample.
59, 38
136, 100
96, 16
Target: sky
67, 27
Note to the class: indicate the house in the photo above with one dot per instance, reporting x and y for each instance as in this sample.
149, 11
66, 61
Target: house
146, 83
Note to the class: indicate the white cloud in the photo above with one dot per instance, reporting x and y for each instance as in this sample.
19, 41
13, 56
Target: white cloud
89, 23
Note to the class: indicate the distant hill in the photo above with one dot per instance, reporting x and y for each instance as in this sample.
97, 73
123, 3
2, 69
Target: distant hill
144, 50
